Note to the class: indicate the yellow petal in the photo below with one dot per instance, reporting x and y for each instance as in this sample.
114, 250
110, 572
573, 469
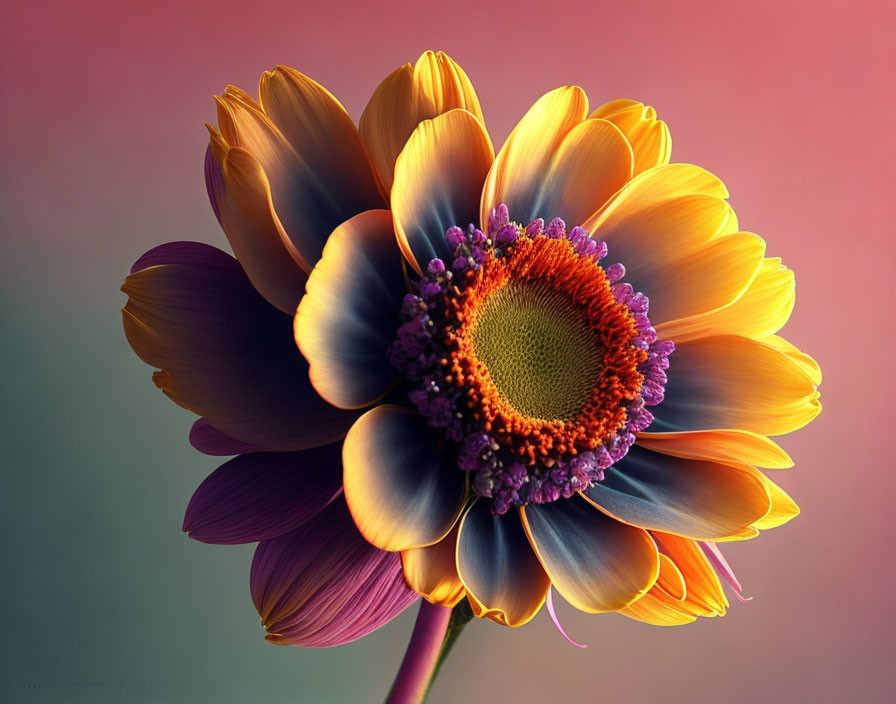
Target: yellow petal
409, 95
783, 508
720, 446
762, 310
801, 359
654, 185
432, 573
649, 137
704, 590
438, 179
521, 165
593, 161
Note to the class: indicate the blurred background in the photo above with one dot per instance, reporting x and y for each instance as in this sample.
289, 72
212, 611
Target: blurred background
105, 600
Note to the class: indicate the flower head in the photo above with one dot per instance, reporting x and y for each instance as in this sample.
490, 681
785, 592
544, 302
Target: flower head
554, 366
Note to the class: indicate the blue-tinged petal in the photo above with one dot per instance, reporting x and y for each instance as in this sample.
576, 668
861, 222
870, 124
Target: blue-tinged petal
438, 182
224, 352
596, 562
504, 580
691, 498
349, 314
403, 489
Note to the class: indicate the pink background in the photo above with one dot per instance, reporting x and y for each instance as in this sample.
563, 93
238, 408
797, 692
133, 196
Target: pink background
790, 103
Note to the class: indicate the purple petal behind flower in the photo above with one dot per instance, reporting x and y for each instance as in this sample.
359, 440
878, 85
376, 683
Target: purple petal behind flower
264, 495
323, 585
210, 441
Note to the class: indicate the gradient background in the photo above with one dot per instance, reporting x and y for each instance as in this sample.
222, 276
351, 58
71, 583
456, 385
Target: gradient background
791, 103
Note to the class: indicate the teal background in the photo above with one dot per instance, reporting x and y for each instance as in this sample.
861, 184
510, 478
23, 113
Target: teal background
105, 600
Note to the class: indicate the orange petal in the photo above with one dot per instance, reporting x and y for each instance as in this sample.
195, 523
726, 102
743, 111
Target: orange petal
654, 185
801, 359
438, 179
242, 199
593, 161
762, 310
432, 572
349, 315
649, 137
783, 508
520, 167
731, 382
719, 446
694, 498
408, 96
597, 563
503, 578
401, 490
704, 595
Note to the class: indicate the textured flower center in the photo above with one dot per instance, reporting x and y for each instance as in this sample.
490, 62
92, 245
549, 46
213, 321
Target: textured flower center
533, 358
538, 348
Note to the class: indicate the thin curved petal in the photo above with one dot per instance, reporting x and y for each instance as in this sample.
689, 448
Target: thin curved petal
734, 382
649, 137
719, 446
783, 508
349, 315
593, 161
408, 96
210, 441
438, 180
692, 498
520, 167
263, 495
597, 563
224, 352
432, 571
241, 197
323, 585
403, 491
309, 148
762, 310
654, 185
504, 580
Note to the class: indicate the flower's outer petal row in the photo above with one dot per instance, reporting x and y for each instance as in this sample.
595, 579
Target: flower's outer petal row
432, 571
210, 441
649, 137
702, 596
783, 508
504, 580
438, 180
692, 498
762, 310
348, 317
707, 279
652, 186
402, 490
224, 352
408, 96
263, 495
241, 197
806, 363
519, 170
593, 161
597, 563
735, 382
323, 585
719, 446
310, 150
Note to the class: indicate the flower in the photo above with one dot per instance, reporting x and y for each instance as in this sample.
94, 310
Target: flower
459, 375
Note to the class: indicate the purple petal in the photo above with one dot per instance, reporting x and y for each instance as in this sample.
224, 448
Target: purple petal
549, 602
723, 569
323, 585
210, 441
264, 495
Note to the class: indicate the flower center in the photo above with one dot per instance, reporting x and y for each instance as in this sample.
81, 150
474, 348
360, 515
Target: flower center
537, 347
532, 357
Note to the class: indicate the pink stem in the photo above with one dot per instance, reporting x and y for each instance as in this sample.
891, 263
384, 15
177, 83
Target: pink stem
420, 659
